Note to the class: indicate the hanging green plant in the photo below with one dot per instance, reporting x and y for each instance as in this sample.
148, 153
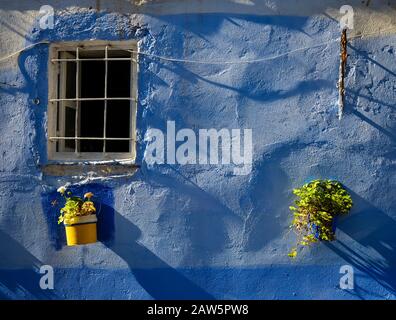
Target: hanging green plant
319, 203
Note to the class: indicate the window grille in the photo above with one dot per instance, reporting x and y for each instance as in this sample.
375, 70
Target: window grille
92, 101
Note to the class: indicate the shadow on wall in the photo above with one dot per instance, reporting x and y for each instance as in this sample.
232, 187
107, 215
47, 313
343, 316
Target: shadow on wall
205, 217
372, 229
120, 235
375, 231
159, 279
205, 25
266, 200
19, 272
33, 84
258, 92
371, 101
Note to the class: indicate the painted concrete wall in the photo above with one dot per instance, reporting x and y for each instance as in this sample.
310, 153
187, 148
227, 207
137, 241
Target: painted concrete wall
194, 231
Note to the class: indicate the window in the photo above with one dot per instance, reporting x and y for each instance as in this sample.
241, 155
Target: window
92, 101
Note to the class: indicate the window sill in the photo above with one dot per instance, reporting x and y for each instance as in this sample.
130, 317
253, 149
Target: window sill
98, 169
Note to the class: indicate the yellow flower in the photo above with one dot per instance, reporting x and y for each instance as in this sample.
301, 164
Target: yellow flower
88, 208
293, 253
88, 195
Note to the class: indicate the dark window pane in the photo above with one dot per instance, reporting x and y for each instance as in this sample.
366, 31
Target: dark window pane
70, 124
114, 53
119, 79
89, 54
91, 145
117, 146
91, 125
71, 68
70, 121
92, 79
118, 119
118, 125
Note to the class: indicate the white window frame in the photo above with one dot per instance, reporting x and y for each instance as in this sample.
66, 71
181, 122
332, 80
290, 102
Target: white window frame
54, 67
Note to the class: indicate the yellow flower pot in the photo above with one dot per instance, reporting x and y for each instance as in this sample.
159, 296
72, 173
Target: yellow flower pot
82, 230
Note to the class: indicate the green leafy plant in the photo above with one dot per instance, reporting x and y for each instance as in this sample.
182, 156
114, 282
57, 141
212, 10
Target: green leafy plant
75, 206
319, 202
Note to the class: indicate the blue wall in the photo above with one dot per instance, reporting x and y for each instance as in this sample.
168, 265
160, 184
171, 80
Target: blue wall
194, 231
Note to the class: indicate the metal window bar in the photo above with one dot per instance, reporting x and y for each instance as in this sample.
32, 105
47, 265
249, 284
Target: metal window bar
92, 59
105, 95
76, 137
90, 138
91, 99
57, 103
76, 126
132, 103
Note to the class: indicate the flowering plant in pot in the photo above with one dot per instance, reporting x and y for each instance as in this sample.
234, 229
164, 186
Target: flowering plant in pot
315, 212
79, 217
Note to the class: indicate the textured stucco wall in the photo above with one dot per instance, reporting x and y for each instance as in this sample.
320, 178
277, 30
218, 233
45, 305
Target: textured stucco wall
195, 231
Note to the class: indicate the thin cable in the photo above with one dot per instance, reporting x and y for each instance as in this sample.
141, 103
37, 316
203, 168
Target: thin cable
23, 49
261, 59
221, 62
235, 61
383, 31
